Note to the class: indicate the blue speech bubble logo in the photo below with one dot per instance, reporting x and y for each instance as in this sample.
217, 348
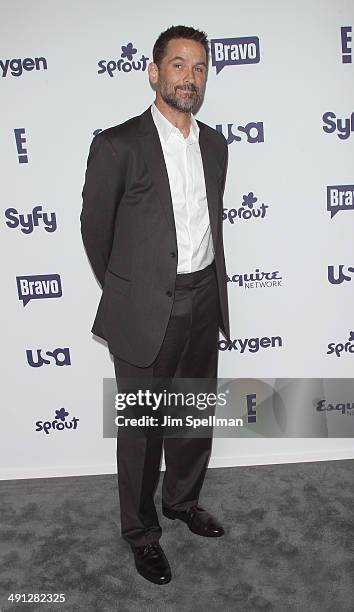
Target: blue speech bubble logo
234, 51
340, 197
38, 287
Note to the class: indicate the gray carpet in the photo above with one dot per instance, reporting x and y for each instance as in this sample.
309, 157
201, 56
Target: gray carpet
288, 546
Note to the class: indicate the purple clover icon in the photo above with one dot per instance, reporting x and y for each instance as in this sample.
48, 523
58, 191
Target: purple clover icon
61, 414
249, 200
128, 51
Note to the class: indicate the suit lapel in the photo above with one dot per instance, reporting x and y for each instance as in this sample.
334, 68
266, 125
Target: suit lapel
155, 162
211, 177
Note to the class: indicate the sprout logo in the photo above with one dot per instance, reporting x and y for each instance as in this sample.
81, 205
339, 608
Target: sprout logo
125, 63
59, 422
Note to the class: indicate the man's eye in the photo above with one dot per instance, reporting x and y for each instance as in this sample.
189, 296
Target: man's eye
177, 65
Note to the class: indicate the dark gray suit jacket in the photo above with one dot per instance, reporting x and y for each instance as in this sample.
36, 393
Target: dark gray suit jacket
128, 229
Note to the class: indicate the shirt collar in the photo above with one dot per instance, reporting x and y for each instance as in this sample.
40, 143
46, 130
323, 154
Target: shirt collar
166, 128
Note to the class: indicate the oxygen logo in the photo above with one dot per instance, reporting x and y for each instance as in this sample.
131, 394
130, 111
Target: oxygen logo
340, 277
59, 422
27, 222
342, 347
346, 39
16, 67
38, 287
340, 197
344, 127
251, 345
246, 211
60, 356
253, 131
126, 63
256, 279
234, 52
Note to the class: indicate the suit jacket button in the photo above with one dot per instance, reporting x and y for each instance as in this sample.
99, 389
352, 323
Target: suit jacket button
173, 254
169, 293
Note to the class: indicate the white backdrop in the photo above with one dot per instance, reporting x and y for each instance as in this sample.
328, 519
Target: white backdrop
301, 95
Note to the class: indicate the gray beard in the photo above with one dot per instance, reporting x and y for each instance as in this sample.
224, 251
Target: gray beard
187, 105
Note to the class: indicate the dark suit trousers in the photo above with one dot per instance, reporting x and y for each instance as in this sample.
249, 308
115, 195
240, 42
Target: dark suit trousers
189, 350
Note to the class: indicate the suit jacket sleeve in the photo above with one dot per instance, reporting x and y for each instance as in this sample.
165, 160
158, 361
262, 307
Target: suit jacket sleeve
102, 191
224, 166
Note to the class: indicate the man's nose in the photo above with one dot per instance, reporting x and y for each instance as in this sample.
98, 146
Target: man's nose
189, 75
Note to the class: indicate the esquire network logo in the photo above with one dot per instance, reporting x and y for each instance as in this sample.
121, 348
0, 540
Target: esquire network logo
60, 357
340, 407
234, 51
38, 287
336, 278
28, 221
250, 345
247, 210
16, 67
256, 279
339, 197
126, 63
337, 348
343, 127
59, 422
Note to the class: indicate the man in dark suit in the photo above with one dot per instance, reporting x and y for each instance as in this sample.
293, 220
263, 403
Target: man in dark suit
152, 227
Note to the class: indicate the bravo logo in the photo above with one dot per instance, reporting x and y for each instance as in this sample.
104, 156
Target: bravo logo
38, 287
234, 52
59, 422
125, 63
340, 197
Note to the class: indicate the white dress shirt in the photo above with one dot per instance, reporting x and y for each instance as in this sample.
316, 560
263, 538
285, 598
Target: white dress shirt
186, 177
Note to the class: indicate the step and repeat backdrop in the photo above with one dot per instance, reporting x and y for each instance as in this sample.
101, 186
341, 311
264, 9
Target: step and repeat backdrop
281, 90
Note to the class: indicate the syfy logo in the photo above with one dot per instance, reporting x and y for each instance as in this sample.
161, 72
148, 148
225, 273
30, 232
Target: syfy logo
126, 63
256, 280
252, 345
15, 67
344, 126
347, 408
58, 424
29, 221
342, 347
341, 276
340, 197
39, 287
234, 52
247, 212
253, 131
346, 39
61, 357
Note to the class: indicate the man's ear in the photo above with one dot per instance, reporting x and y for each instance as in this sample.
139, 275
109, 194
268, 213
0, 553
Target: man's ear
153, 73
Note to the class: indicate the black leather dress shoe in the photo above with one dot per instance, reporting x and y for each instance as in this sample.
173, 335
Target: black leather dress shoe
151, 563
198, 520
